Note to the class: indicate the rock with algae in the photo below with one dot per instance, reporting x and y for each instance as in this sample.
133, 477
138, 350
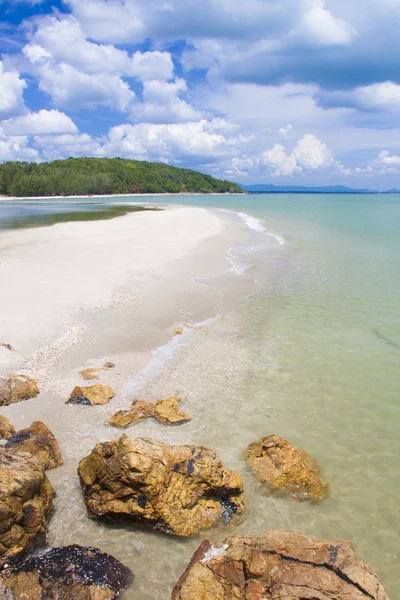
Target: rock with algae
66, 573
165, 411
25, 499
6, 428
39, 441
178, 490
278, 566
286, 469
92, 395
16, 388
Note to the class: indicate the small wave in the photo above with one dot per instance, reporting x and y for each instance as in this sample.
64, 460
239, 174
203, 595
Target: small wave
257, 225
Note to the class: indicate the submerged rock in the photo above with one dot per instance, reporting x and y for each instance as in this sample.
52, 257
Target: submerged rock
179, 490
286, 469
67, 573
165, 411
39, 441
278, 565
92, 395
16, 388
25, 499
91, 372
6, 429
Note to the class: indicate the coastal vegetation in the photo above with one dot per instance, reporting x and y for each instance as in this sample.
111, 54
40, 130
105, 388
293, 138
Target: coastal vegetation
97, 176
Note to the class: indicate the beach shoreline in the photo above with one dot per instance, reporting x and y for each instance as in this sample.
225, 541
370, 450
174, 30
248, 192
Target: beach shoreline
131, 195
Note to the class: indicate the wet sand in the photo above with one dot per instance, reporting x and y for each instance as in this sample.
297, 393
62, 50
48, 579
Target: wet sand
80, 294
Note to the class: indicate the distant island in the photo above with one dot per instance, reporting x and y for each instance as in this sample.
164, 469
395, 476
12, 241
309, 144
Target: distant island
265, 188
102, 176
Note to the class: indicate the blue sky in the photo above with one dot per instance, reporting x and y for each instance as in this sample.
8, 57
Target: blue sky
279, 91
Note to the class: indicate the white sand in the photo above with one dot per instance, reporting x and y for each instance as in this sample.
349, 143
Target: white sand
49, 274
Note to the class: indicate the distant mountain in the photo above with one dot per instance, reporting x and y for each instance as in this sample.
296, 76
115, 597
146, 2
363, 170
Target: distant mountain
265, 188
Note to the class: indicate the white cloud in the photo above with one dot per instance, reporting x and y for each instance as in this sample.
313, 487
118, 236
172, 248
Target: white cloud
11, 90
386, 163
378, 97
319, 26
285, 131
69, 87
16, 148
42, 122
162, 104
172, 142
151, 65
111, 21
310, 153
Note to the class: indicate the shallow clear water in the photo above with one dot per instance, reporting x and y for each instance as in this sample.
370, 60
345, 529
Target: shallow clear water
312, 356
15, 214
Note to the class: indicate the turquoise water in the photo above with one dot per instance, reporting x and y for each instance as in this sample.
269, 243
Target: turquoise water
317, 351
324, 332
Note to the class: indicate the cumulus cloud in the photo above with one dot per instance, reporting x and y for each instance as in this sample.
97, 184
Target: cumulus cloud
69, 88
16, 148
42, 122
162, 103
11, 91
172, 142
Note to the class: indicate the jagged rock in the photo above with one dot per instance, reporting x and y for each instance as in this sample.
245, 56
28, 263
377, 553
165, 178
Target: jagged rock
165, 411
39, 441
6, 429
278, 565
25, 499
67, 573
179, 490
16, 388
8, 346
92, 395
286, 469
91, 372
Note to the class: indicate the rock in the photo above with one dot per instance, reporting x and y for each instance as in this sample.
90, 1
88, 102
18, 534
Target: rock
91, 372
16, 388
6, 429
178, 331
25, 499
165, 411
92, 395
67, 573
278, 565
8, 346
178, 490
39, 441
286, 469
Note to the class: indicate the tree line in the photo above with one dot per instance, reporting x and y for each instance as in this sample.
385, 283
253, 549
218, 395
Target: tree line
98, 176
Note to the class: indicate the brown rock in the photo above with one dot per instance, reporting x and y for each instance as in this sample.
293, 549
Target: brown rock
6, 429
39, 441
179, 490
91, 373
92, 395
286, 469
278, 565
16, 388
165, 411
25, 499
8, 346
68, 573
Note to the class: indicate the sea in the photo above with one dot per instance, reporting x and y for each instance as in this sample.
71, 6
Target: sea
312, 355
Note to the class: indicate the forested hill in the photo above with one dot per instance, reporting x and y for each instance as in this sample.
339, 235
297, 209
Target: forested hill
76, 176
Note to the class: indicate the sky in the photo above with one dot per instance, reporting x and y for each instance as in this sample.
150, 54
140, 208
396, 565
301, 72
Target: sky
288, 92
